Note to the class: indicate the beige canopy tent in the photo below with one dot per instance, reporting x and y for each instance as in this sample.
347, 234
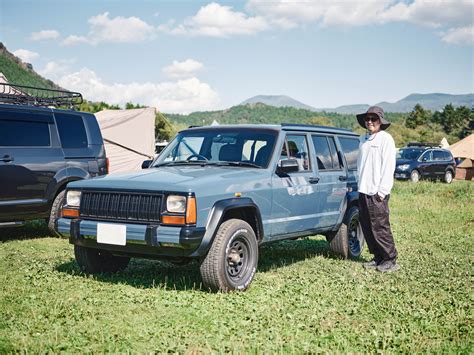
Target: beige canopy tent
129, 137
464, 149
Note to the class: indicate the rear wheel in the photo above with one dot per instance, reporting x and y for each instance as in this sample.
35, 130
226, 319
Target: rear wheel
348, 242
54, 214
232, 260
415, 176
448, 177
94, 261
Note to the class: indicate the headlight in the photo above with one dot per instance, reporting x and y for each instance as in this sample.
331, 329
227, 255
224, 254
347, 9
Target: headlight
403, 167
176, 204
73, 198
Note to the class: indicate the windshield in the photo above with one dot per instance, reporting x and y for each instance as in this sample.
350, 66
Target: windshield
229, 146
409, 153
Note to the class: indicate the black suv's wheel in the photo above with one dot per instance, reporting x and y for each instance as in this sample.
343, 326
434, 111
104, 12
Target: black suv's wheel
54, 214
348, 242
415, 176
94, 261
448, 176
232, 259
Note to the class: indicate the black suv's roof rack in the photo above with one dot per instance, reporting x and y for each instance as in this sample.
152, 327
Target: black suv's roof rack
34, 96
423, 145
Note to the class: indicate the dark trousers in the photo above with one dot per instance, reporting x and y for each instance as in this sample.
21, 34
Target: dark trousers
375, 223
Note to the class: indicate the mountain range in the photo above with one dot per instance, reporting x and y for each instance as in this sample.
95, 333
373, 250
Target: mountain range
433, 102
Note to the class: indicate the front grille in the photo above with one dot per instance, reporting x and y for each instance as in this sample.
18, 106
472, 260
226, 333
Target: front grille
139, 207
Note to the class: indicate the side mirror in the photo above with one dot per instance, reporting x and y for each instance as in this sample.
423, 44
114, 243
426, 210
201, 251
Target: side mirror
146, 163
286, 166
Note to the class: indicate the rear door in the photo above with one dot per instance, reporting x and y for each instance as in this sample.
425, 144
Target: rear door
30, 156
332, 184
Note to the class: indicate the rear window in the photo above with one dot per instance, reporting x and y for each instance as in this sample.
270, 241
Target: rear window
350, 148
447, 155
21, 133
71, 131
326, 154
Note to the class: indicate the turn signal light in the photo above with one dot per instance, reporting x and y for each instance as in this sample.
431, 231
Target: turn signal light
191, 210
70, 212
173, 220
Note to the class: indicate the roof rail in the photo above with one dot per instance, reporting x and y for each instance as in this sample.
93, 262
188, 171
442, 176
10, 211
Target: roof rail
423, 144
34, 96
314, 126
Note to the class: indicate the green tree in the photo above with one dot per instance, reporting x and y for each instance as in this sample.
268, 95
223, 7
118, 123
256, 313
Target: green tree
417, 117
164, 130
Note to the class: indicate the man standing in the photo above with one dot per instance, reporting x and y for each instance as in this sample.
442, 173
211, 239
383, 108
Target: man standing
376, 165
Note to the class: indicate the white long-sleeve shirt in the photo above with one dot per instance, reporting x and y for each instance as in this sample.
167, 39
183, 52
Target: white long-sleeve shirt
376, 163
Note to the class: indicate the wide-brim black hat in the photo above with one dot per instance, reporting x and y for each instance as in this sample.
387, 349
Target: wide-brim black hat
384, 124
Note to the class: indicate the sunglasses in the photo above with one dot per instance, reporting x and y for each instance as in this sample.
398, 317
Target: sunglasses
371, 118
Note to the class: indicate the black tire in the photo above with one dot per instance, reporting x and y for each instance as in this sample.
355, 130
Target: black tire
448, 177
349, 240
54, 214
94, 261
415, 176
231, 262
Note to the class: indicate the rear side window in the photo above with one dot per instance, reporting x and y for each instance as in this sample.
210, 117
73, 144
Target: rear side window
71, 131
447, 155
350, 148
21, 133
438, 155
326, 153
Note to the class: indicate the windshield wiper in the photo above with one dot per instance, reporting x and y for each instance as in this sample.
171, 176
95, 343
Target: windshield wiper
239, 163
182, 162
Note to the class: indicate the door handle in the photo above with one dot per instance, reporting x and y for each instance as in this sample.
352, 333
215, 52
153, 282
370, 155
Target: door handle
313, 180
7, 158
343, 178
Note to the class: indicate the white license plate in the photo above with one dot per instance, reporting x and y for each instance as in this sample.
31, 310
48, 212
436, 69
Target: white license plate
111, 233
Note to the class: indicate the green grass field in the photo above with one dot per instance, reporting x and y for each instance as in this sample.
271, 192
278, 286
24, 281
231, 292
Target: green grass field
302, 298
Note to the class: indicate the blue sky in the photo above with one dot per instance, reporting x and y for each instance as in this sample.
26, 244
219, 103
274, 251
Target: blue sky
184, 56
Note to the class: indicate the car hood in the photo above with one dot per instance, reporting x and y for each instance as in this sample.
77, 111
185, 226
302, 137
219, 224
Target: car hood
405, 161
172, 178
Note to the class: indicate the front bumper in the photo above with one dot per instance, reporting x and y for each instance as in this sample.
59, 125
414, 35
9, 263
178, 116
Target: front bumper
402, 175
141, 240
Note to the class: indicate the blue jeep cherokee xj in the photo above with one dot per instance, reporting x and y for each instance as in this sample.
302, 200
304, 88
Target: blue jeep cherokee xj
215, 194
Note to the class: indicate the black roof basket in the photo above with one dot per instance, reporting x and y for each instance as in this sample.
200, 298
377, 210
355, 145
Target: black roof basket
423, 145
34, 96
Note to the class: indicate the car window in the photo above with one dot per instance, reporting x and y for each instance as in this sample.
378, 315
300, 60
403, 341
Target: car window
71, 131
336, 159
323, 153
21, 133
409, 153
350, 148
438, 155
297, 147
447, 155
426, 156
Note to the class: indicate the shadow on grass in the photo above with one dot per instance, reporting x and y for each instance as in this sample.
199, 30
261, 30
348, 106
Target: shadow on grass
143, 273
30, 230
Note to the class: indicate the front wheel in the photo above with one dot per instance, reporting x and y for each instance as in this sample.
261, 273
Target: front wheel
54, 214
349, 240
95, 261
415, 176
231, 262
448, 177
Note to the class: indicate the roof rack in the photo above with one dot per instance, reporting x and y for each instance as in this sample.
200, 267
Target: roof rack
34, 96
423, 144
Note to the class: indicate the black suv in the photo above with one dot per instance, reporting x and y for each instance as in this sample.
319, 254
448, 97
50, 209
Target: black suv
42, 149
425, 161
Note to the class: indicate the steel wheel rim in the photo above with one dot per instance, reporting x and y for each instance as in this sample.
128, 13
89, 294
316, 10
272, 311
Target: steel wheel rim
237, 258
355, 235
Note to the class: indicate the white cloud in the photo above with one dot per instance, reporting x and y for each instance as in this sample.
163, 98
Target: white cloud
182, 96
44, 35
215, 20
450, 15
184, 69
462, 35
114, 30
25, 55
55, 70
